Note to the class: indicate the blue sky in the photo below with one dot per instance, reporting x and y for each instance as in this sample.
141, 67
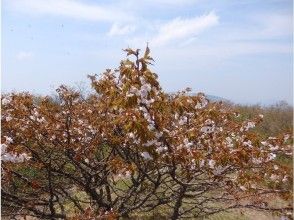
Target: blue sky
240, 50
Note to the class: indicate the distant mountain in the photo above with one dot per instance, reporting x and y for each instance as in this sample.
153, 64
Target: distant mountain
212, 98
216, 98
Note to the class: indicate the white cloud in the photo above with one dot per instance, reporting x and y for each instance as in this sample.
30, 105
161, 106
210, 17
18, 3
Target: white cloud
258, 28
183, 29
171, 2
69, 8
157, 4
117, 29
24, 55
178, 31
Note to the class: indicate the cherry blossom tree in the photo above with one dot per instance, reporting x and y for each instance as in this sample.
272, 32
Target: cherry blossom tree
132, 148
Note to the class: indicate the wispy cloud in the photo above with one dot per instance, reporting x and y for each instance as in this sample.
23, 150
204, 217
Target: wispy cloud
183, 29
261, 27
69, 8
275, 25
178, 31
117, 29
169, 2
24, 55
